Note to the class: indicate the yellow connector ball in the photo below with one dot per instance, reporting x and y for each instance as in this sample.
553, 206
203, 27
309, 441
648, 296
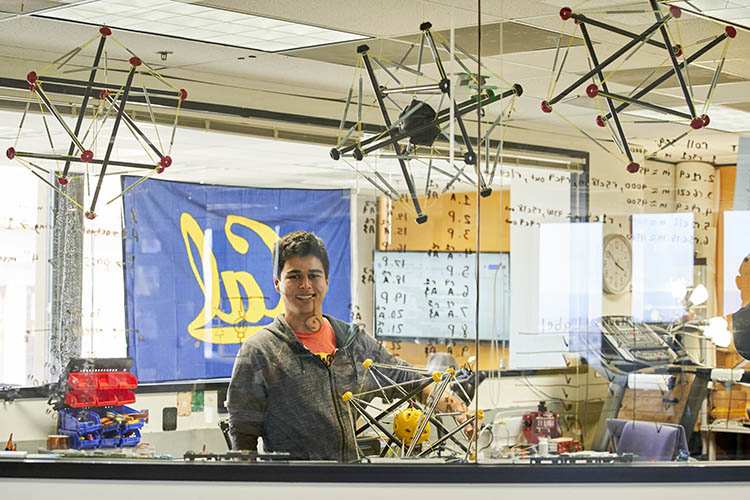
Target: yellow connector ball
437, 376
480, 414
451, 371
346, 396
366, 363
405, 425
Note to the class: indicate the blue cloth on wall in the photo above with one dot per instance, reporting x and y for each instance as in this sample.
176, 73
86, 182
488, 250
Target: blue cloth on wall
198, 270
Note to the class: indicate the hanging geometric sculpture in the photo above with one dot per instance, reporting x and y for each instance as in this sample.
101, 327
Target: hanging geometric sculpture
420, 124
615, 102
112, 102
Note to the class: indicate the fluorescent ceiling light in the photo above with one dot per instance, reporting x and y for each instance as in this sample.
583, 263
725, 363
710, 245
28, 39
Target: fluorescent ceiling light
195, 22
722, 117
736, 11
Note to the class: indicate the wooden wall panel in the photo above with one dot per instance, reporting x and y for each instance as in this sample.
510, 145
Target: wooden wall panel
451, 223
657, 406
451, 226
727, 176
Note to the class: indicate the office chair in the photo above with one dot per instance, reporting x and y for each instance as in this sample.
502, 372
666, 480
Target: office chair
648, 441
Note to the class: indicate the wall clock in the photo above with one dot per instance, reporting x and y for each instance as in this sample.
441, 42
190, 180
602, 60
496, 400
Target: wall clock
617, 264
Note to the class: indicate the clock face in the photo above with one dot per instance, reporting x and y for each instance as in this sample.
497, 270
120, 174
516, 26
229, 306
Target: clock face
617, 268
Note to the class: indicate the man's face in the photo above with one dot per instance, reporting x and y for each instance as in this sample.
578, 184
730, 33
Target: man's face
303, 286
743, 282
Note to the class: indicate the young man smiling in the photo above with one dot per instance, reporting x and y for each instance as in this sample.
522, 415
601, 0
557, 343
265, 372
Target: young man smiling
288, 379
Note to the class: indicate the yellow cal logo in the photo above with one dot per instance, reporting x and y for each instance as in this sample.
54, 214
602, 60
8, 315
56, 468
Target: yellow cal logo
239, 317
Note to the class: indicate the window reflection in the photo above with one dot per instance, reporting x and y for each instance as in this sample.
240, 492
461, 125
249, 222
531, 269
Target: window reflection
662, 265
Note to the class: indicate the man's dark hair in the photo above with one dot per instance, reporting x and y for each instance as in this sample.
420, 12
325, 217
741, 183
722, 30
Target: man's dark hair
299, 244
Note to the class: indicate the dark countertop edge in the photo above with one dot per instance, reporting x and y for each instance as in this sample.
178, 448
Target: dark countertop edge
377, 473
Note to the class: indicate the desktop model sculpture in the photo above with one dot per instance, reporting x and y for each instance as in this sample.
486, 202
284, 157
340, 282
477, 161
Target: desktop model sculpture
412, 419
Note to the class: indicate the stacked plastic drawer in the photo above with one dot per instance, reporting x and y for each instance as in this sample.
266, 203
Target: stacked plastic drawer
100, 389
97, 417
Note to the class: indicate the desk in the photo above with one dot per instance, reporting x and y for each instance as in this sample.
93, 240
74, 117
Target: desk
731, 426
71, 479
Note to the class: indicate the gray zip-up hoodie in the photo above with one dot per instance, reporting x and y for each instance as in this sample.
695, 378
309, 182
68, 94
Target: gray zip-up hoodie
286, 394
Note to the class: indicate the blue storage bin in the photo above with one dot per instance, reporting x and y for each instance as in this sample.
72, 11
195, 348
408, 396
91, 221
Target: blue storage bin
110, 440
81, 441
79, 421
132, 438
121, 410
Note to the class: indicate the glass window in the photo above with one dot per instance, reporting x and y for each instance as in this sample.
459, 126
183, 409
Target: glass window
418, 240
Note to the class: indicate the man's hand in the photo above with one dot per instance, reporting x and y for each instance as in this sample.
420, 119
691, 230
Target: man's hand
449, 403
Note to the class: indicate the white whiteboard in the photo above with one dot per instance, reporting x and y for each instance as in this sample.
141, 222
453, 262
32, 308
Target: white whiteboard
432, 295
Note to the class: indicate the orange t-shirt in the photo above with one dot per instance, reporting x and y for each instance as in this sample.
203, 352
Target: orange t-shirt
321, 343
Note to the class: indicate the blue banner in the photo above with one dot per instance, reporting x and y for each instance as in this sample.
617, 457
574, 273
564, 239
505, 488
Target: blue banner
199, 274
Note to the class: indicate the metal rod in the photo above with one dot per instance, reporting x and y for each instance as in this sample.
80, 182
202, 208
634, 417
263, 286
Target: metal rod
401, 62
346, 136
645, 104
359, 101
474, 157
101, 86
85, 102
415, 88
481, 187
447, 174
373, 421
378, 186
459, 61
437, 393
464, 134
76, 159
455, 178
675, 64
395, 104
462, 172
671, 142
406, 68
435, 54
69, 53
110, 146
382, 66
346, 108
130, 122
614, 29
486, 137
449, 436
404, 117
412, 191
398, 403
70, 56
427, 181
498, 153
441, 119
610, 104
387, 184
648, 88
421, 49
611, 58
714, 83
56, 114
441, 114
